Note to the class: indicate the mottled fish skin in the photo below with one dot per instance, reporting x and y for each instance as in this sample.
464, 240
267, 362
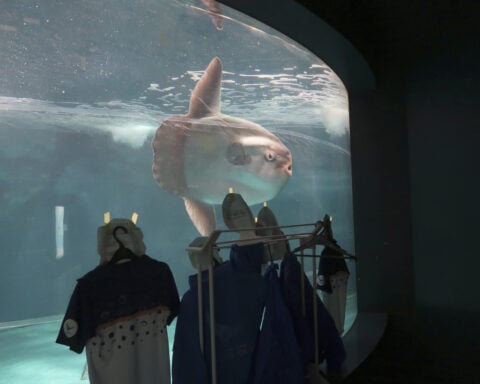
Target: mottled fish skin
202, 154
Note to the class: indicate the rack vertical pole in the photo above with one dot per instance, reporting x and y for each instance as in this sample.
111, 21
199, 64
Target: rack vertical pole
315, 309
201, 336
213, 349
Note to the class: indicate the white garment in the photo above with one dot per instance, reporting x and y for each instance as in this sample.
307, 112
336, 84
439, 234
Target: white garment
131, 350
336, 302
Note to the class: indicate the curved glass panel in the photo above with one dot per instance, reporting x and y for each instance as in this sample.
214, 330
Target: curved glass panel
83, 88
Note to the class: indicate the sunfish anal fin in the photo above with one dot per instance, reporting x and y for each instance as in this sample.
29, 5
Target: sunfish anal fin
202, 216
205, 98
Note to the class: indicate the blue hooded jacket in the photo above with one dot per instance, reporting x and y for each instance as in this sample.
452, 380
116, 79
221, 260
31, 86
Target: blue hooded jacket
240, 293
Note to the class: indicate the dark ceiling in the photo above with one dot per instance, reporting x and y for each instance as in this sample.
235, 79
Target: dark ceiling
393, 35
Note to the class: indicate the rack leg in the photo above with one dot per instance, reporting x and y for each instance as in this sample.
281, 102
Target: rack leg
213, 348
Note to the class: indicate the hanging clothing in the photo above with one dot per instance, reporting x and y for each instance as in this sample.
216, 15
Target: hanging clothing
331, 262
239, 293
330, 344
277, 356
120, 313
332, 279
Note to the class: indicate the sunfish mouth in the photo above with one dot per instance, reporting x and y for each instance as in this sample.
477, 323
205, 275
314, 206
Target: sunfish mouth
284, 162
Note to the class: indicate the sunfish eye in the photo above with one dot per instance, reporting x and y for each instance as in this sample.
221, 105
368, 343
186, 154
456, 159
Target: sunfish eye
270, 156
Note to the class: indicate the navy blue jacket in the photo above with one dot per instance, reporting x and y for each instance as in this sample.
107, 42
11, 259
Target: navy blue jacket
277, 357
240, 295
330, 343
255, 337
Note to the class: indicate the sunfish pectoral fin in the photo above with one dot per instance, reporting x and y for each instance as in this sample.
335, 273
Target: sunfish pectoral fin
202, 216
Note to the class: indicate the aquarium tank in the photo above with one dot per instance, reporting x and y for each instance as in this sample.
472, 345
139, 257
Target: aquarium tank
84, 86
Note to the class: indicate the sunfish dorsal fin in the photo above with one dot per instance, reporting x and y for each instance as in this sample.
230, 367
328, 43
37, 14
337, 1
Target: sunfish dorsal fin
205, 99
202, 216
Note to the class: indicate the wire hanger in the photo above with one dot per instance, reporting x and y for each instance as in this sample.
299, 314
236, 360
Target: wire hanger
122, 253
321, 235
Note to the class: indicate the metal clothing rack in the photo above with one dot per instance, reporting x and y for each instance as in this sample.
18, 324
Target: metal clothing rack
203, 249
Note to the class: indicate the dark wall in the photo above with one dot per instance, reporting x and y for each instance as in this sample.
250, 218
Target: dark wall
416, 169
443, 103
415, 148
379, 145
416, 172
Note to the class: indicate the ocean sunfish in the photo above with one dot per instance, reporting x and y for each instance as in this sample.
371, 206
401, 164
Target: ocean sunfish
201, 154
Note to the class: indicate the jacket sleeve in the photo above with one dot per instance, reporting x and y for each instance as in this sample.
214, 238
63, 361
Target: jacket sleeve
188, 364
77, 326
330, 343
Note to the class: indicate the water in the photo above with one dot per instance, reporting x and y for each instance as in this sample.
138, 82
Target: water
42, 361
84, 86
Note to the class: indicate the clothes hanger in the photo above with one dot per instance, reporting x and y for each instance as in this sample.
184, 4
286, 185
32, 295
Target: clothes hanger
316, 237
321, 235
122, 252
